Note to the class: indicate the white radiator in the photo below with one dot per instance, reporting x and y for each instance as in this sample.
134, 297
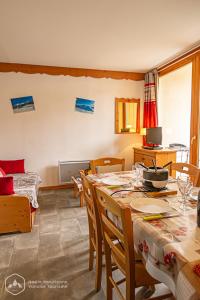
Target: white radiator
67, 169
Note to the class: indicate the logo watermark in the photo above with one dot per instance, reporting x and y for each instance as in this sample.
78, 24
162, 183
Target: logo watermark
47, 284
15, 284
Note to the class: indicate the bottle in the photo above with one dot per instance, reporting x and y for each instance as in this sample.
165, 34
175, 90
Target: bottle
198, 210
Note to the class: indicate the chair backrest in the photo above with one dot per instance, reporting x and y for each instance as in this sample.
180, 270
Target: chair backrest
106, 161
188, 169
118, 236
92, 210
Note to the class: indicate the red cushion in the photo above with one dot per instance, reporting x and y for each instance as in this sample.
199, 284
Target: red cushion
12, 166
6, 185
2, 173
33, 209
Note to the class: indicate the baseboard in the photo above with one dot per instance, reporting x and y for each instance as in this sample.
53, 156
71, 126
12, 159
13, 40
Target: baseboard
57, 187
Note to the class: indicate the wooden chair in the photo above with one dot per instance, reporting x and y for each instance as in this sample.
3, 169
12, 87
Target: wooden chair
95, 233
78, 190
122, 251
188, 169
106, 161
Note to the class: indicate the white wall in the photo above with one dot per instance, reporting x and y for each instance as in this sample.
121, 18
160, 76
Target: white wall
55, 131
174, 105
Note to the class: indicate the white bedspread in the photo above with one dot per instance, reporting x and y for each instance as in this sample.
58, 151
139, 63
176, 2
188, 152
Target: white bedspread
27, 184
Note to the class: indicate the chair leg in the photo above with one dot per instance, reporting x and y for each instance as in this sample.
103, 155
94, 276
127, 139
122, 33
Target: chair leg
75, 192
109, 285
81, 199
91, 256
109, 289
98, 270
130, 287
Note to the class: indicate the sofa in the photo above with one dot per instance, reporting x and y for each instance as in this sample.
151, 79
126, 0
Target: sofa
17, 211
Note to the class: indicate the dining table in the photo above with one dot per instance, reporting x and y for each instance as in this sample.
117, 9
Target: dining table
170, 246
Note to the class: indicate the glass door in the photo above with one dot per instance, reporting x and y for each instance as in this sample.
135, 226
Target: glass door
174, 110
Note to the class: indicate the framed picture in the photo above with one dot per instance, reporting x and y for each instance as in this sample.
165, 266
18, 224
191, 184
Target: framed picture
84, 105
22, 104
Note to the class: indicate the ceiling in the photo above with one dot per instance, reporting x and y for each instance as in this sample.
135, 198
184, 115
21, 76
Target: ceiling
129, 35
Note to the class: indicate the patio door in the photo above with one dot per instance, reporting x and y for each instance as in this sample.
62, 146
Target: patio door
174, 110
191, 58
195, 109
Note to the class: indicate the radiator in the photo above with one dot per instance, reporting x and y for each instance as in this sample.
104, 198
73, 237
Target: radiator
67, 169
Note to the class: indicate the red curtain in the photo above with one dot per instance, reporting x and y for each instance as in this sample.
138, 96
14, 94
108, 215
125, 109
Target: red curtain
150, 101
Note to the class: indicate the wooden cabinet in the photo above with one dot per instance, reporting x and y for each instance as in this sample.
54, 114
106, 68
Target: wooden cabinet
161, 156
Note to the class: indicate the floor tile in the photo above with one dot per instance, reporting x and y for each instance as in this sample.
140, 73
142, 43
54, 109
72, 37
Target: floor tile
83, 223
80, 211
3, 275
66, 212
76, 247
25, 263
49, 246
49, 224
27, 240
70, 229
6, 251
48, 210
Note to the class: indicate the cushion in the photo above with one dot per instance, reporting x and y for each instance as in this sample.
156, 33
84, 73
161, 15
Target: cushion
2, 173
12, 166
6, 185
33, 209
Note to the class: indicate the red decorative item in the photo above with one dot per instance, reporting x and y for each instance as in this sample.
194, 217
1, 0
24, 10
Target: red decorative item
145, 247
32, 209
150, 102
6, 185
140, 247
170, 258
179, 232
196, 269
183, 228
2, 173
12, 166
157, 223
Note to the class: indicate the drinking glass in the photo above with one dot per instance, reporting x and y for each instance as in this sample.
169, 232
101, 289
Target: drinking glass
185, 186
139, 172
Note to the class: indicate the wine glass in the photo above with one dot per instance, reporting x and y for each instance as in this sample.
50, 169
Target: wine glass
139, 172
185, 186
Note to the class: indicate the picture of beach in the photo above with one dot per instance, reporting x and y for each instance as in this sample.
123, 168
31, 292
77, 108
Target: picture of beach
22, 104
84, 105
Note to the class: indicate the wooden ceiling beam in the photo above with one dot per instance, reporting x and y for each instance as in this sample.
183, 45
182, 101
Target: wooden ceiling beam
75, 72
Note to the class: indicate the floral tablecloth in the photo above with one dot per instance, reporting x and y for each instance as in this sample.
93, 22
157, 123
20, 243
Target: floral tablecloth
170, 247
27, 184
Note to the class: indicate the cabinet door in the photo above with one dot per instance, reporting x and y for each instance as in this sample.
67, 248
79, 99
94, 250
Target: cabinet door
146, 159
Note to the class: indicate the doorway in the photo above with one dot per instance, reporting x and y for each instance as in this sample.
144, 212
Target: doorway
174, 110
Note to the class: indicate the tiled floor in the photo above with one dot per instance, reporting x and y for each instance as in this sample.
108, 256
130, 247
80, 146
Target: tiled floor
55, 250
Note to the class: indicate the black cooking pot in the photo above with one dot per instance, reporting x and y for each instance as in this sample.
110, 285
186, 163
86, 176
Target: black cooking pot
155, 178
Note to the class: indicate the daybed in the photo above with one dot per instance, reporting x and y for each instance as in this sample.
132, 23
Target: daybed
17, 211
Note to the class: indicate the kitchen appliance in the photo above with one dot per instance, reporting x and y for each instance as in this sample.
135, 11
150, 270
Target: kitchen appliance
155, 178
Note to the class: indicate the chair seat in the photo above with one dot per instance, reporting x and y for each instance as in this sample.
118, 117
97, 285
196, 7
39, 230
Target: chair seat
138, 264
142, 277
